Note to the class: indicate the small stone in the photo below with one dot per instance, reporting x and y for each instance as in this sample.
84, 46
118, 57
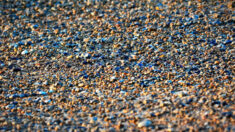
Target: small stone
56, 31
45, 83
86, 55
86, 40
216, 62
42, 93
181, 93
93, 120
134, 57
52, 87
144, 123
81, 85
113, 78
69, 57
24, 52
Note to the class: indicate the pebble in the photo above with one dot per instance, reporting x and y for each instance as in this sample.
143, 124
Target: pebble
102, 65
24, 52
145, 123
42, 93
113, 78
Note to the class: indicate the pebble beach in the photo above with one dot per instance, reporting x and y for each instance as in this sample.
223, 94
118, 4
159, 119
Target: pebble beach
117, 65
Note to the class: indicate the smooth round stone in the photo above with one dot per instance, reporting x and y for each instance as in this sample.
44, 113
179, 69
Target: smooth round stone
144, 123
24, 52
42, 93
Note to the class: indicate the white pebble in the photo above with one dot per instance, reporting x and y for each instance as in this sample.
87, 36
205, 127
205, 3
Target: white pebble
144, 123
24, 52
